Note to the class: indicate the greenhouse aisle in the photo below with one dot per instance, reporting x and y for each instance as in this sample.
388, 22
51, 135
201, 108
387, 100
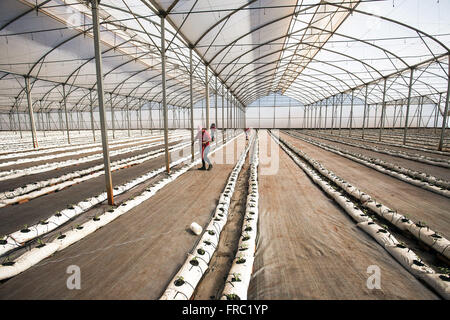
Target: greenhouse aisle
310, 249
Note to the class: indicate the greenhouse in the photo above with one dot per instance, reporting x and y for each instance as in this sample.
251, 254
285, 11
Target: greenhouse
224, 150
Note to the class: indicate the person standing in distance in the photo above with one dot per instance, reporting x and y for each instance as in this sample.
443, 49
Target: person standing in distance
204, 141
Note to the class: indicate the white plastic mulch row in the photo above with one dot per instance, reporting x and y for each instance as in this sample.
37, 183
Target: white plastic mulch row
418, 230
37, 189
40, 252
14, 145
238, 280
56, 140
405, 256
183, 284
396, 153
418, 179
12, 174
416, 148
87, 147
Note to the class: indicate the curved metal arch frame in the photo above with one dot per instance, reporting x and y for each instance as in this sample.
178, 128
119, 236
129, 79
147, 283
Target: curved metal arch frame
345, 8
353, 10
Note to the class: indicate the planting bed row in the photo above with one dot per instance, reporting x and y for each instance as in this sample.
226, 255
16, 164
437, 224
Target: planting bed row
184, 283
441, 162
419, 179
16, 173
396, 143
40, 188
238, 280
87, 147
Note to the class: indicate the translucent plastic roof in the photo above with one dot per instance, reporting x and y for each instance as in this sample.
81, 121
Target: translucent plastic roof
309, 50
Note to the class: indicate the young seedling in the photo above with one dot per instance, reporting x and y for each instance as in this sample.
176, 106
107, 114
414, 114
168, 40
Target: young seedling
236, 277
194, 261
201, 251
40, 243
25, 229
179, 281
421, 224
401, 245
61, 236
7, 262
418, 263
232, 296
243, 247
240, 260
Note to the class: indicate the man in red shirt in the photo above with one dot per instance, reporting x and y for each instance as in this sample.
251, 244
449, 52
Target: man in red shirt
204, 141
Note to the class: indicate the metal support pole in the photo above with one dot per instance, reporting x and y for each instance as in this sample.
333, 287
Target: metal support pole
30, 111
128, 116
274, 104
207, 97
101, 107
160, 117
92, 114
333, 114
65, 111
436, 116
228, 111
42, 118
351, 116
315, 116
383, 110
394, 121
60, 118
340, 116
259, 113
216, 123
320, 115
304, 117
245, 118
420, 113
408, 105
140, 117
150, 116
191, 101
78, 120
444, 121
163, 83
18, 120
223, 114
364, 115
48, 122
112, 117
